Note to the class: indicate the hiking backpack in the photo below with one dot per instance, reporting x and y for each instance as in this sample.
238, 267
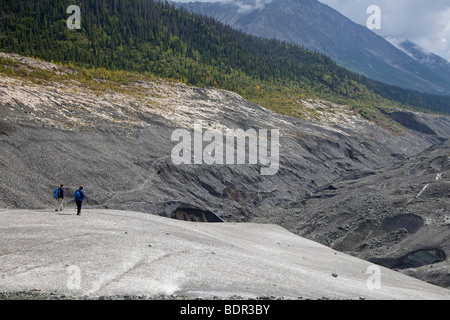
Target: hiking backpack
55, 193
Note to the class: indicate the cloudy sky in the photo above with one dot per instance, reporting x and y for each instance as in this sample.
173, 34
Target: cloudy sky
426, 22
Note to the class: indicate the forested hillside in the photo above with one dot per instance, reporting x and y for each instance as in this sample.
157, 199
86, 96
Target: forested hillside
146, 36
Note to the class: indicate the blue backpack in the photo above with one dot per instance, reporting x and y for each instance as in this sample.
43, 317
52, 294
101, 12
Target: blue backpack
55, 193
79, 195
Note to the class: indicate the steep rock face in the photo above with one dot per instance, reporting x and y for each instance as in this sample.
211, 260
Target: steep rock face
117, 144
318, 27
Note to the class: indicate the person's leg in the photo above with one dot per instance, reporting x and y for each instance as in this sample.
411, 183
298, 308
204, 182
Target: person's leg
78, 202
60, 204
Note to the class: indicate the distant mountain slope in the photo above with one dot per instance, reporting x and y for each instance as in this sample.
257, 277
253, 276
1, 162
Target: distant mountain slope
318, 27
431, 61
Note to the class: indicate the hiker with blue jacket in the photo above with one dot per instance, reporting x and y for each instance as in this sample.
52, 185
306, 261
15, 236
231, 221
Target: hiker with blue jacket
79, 198
59, 196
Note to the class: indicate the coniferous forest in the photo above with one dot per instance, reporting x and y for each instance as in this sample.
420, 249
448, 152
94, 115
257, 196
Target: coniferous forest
148, 36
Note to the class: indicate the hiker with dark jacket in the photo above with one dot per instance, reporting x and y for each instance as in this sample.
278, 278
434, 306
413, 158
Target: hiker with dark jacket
79, 198
60, 198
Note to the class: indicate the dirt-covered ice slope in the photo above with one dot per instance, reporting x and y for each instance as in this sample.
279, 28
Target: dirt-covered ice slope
106, 252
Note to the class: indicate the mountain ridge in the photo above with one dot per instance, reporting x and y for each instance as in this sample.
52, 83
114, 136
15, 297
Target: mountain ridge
317, 26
